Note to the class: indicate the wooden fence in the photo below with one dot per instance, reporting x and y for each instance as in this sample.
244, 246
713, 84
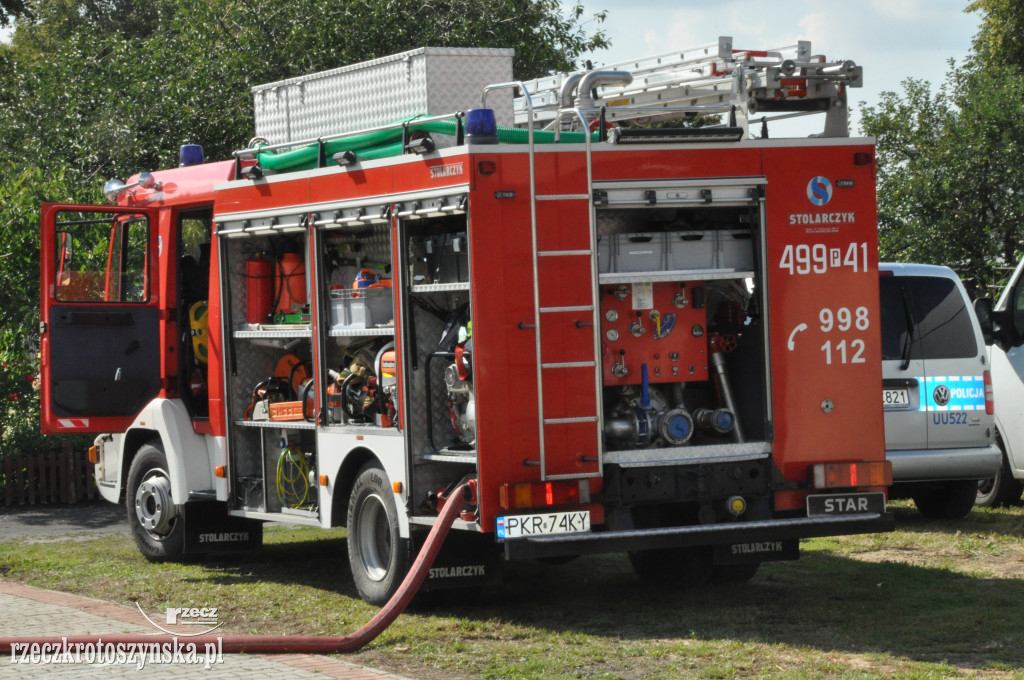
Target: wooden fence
57, 477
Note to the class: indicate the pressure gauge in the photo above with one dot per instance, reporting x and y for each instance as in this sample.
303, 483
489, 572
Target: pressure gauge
612, 335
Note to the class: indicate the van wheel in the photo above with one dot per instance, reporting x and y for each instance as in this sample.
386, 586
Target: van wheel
1002, 490
377, 553
952, 500
156, 524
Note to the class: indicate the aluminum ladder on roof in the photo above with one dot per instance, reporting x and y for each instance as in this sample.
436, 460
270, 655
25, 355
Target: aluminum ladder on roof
709, 79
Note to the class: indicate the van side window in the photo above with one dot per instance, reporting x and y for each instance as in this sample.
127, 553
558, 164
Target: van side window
895, 317
944, 322
933, 311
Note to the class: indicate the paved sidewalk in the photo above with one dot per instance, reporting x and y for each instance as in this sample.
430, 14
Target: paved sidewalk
27, 611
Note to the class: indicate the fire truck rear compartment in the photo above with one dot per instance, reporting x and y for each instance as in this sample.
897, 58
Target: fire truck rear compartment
682, 335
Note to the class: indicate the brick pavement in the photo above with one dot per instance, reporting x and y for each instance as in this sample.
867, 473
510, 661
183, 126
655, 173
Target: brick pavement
27, 611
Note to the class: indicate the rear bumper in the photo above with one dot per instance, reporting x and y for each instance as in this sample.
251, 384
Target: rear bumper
926, 465
705, 534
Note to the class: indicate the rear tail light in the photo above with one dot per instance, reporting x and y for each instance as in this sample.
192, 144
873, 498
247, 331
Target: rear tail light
539, 494
990, 404
851, 475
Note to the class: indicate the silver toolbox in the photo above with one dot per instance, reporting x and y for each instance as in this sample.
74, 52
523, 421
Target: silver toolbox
425, 81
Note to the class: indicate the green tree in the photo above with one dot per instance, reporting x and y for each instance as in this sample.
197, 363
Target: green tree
951, 188
10, 9
84, 91
91, 89
21, 192
1000, 40
950, 181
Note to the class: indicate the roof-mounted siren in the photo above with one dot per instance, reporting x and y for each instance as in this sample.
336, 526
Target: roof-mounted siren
113, 188
481, 126
190, 154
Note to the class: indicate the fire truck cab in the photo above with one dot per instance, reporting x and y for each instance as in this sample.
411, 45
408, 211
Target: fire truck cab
625, 338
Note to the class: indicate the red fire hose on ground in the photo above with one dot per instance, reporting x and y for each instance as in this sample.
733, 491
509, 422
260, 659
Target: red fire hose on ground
288, 644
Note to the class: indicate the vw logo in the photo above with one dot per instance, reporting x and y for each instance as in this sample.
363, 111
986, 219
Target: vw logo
941, 395
819, 190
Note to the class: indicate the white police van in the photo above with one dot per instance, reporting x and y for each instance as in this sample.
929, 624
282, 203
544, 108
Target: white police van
936, 390
1007, 357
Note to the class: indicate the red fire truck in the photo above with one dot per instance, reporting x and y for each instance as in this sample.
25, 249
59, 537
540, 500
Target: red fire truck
625, 337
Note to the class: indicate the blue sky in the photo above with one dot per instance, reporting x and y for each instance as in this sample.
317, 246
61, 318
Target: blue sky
892, 39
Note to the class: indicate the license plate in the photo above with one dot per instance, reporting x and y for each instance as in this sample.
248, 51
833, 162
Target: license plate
896, 397
845, 504
517, 526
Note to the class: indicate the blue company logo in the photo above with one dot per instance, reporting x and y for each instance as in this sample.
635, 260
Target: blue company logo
953, 393
819, 190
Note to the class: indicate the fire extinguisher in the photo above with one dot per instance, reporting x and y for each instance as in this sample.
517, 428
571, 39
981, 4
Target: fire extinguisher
290, 283
259, 289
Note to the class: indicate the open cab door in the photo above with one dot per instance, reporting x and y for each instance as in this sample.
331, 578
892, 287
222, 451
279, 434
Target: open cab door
100, 332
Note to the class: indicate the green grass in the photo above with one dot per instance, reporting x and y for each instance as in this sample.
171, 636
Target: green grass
931, 600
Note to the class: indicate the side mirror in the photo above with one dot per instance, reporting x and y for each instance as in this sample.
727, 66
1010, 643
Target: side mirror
983, 310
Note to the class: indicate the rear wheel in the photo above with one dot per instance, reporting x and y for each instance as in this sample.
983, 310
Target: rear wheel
670, 567
376, 551
674, 567
735, 573
155, 520
952, 500
1002, 490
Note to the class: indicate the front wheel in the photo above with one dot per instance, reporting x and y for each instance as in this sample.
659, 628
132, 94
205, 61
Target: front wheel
156, 523
376, 551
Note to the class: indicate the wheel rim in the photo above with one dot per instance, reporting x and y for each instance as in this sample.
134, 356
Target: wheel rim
154, 507
375, 537
986, 487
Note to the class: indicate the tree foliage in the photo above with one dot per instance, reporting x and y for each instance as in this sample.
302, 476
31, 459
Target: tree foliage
1000, 40
950, 182
91, 89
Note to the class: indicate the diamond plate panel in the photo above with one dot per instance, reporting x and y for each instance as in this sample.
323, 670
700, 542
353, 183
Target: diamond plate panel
429, 329
429, 80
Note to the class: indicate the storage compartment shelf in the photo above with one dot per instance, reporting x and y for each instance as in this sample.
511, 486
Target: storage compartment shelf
440, 287
677, 275
278, 424
352, 332
275, 333
449, 456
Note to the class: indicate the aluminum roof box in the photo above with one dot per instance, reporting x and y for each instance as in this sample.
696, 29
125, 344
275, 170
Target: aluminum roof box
428, 80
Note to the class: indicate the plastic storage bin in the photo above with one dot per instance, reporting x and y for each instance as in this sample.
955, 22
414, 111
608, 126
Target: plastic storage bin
361, 308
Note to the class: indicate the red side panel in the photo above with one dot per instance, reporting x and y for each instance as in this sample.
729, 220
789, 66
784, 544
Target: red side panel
504, 354
822, 270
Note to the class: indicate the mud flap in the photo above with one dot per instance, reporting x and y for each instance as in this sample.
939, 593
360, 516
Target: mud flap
757, 551
209, 528
467, 560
